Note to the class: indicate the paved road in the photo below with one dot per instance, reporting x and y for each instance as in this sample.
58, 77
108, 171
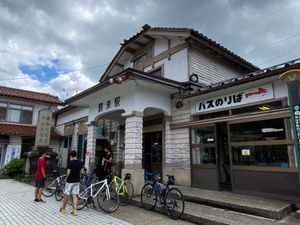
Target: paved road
17, 207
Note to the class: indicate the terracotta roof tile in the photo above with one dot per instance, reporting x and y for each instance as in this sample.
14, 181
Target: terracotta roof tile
22, 130
37, 96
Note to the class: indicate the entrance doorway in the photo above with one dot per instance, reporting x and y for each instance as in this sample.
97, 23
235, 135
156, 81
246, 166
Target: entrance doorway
152, 152
100, 145
224, 157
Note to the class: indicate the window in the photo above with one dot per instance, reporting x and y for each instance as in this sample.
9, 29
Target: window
144, 57
204, 155
20, 114
211, 115
156, 73
258, 108
203, 145
261, 143
3, 111
258, 131
269, 155
68, 142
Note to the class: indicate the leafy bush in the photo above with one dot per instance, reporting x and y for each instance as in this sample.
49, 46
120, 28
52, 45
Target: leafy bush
14, 167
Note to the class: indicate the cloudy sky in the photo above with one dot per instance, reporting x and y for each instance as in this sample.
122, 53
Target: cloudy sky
62, 47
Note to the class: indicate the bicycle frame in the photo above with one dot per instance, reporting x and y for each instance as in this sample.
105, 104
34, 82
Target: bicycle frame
58, 179
90, 190
119, 188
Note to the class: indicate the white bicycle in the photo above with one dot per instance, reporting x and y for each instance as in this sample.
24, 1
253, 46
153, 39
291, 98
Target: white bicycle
52, 185
107, 197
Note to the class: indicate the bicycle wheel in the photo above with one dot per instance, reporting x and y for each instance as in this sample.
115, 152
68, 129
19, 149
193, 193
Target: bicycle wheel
174, 203
148, 196
59, 193
126, 193
50, 187
110, 203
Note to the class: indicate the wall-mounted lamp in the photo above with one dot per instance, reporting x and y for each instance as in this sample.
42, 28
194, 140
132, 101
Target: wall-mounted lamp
118, 80
179, 104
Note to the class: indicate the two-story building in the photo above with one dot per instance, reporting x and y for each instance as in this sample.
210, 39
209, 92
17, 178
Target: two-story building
175, 102
20, 113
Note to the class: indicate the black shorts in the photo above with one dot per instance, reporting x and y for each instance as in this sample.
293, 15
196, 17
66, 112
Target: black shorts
40, 183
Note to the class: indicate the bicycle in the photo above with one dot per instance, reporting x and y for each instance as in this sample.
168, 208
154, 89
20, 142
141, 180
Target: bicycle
170, 199
107, 198
148, 175
51, 185
123, 188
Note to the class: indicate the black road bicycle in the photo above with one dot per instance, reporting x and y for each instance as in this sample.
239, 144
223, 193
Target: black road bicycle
169, 198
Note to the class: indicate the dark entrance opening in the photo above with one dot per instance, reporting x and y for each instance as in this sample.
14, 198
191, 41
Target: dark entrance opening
224, 158
100, 145
152, 152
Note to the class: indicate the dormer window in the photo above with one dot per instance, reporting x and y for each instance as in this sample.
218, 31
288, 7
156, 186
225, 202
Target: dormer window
143, 57
157, 72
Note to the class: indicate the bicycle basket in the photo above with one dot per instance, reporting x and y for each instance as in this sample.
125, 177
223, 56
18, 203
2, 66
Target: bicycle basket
171, 180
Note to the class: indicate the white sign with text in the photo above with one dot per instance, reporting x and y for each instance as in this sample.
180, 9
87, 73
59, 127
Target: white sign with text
12, 152
261, 93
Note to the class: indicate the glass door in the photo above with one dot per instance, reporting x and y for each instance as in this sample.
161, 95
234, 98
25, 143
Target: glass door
224, 157
204, 157
152, 152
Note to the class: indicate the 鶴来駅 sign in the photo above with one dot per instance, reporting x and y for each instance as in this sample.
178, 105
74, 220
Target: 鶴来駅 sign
261, 93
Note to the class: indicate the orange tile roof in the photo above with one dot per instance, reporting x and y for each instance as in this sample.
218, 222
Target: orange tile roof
22, 130
37, 96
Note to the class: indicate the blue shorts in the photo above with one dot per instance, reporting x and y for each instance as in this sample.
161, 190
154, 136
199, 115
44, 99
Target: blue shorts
40, 183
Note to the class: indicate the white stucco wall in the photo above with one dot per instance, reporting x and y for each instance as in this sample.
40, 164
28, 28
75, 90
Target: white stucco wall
176, 68
71, 115
160, 45
133, 98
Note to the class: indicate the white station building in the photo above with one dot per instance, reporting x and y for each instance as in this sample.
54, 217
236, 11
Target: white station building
173, 101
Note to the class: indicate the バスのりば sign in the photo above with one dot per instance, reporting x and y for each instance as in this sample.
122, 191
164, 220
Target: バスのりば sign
261, 93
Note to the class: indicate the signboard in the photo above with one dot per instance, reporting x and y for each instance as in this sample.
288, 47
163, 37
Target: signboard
245, 152
261, 93
12, 152
43, 130
109, 104
294, 97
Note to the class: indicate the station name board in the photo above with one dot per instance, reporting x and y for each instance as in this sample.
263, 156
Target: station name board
109, 104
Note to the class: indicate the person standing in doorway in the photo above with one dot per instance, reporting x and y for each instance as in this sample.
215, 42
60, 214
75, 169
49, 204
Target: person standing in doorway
40, 177
99, 158
74, 169
107, 162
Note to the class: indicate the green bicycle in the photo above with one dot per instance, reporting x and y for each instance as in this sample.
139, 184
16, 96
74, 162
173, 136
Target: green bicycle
123, 188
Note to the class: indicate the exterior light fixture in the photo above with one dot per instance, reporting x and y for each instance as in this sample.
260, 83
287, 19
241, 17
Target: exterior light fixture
264, 108
179, 104
194, 78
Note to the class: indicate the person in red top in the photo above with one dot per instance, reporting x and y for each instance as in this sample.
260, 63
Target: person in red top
40, 177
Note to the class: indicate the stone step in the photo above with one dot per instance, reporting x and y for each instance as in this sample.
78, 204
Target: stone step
202, 214
268, 208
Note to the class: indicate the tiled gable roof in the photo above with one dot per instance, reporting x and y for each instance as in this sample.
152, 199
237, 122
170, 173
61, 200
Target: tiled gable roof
31, 95
22, 130
193, 33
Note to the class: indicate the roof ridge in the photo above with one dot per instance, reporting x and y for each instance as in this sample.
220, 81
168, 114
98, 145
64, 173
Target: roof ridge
28, 91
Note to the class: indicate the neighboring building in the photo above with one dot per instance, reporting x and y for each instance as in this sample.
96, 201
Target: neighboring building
19, 118
175, 102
